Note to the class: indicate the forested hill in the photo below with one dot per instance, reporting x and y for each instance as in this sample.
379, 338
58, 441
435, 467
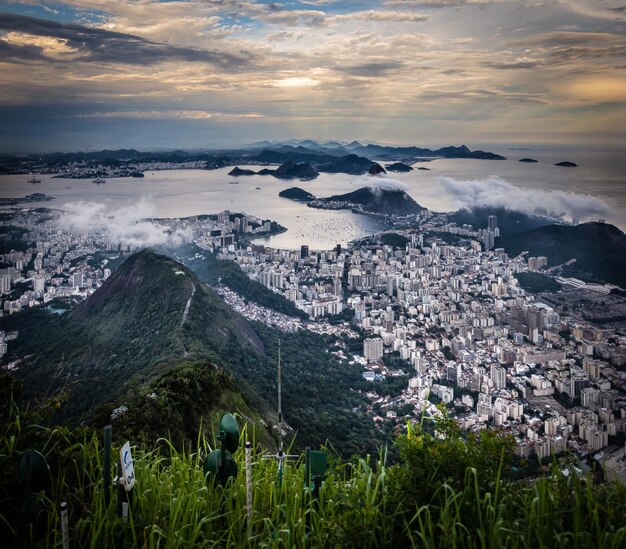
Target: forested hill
150, 312
115, 348
509, 221
598, 248
374, 200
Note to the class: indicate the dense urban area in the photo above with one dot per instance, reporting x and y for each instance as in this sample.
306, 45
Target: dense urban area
432, 305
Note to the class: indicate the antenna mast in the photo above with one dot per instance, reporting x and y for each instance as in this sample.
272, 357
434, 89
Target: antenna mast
280, 405
280, 455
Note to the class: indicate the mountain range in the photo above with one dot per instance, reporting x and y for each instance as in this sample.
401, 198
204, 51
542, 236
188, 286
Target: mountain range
384, 152
323, 156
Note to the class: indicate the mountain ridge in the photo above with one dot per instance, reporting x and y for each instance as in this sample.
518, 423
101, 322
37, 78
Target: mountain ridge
598, 248
150, 313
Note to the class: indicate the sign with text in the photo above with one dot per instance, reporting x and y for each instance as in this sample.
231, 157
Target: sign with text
128, 468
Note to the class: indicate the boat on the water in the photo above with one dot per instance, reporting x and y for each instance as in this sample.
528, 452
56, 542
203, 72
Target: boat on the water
34, 180
99, 181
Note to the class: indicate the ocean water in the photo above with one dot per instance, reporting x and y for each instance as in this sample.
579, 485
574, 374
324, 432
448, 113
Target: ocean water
597, 188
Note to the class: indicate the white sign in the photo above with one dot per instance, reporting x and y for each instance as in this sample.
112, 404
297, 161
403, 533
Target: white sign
128, 469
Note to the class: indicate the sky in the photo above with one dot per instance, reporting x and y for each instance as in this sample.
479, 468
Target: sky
149, 74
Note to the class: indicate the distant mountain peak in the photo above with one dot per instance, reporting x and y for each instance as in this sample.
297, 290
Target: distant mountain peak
353, 145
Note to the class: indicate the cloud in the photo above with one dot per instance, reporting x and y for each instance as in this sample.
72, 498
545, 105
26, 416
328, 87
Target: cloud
380, 182
499, 193
370, 69
297, 82
99, 45
440, 3
514, 65
380, 15
128, 225
18, 52
465, 96
599, 89
170, 114
612, 10
566, 38
279, 36
276, 15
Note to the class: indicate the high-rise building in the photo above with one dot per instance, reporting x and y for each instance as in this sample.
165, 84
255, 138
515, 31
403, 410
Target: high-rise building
337, 289
38, 284
78, 280
373, 349
492, 223
489, 239
5, 284
304, 251
223, 217
498, 376
579, 380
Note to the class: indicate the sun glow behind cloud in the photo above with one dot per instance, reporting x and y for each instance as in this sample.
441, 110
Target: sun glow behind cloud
297, 82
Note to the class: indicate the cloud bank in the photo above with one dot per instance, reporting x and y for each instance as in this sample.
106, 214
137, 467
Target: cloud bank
128, 226
380, 182
101, 45
499, 193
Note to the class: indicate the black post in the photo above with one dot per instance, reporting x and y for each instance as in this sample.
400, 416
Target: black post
307, 480
106, 465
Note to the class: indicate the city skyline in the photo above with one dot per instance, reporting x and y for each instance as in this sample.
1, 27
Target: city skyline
80, 75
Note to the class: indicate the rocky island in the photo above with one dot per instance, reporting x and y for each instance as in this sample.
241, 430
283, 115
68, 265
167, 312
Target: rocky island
292, 170
287, 170
567, 164
296, 193
400, 167
529, 160
351, 164
379, 201
237, 171
376, 169
35, 197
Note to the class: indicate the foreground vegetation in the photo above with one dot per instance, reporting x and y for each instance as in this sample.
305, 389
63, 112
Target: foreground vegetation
453, 491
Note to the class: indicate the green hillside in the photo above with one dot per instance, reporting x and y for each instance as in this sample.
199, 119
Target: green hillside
598, 248
537, 282
381, 200
189, 398
510, 222
126, 334
133, 329
211, 270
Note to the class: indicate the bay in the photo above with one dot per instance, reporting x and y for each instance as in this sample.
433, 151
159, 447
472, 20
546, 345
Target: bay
182, 193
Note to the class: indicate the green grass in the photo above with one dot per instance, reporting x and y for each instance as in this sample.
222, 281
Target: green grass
452, 492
